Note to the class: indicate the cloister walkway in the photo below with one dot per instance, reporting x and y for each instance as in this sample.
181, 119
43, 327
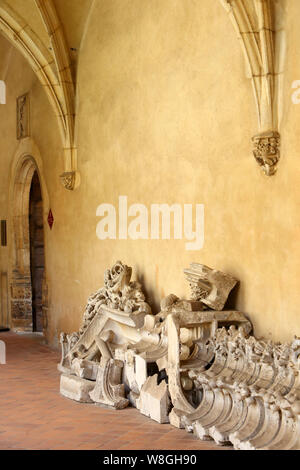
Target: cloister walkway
33, 415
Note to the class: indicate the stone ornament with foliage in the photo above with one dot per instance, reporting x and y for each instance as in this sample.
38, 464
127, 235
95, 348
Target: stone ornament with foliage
193, 364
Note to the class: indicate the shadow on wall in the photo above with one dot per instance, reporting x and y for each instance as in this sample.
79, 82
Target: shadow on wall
150, 294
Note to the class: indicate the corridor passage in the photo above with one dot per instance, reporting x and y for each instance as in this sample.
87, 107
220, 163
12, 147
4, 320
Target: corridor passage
33, 415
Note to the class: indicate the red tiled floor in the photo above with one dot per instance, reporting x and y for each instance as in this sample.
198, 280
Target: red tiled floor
33, 415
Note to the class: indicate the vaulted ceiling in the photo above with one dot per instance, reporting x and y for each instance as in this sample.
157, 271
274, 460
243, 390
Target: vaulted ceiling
49, 34
72, 15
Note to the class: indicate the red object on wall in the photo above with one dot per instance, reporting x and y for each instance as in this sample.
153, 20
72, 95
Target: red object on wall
50, 219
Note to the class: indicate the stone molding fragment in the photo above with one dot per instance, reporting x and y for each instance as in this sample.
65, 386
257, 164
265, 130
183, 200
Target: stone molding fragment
209, 286
261, 380
193, 364
108, 389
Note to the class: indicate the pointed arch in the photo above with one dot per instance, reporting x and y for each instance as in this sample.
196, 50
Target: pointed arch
52, 69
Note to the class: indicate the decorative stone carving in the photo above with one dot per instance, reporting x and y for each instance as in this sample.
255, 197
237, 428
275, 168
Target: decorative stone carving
109, 389
21, 301
210, 286
68, 180
23, 116
197, 368
266, 151
119, 305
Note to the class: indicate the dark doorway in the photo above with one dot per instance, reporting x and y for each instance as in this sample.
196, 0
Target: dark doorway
37, 258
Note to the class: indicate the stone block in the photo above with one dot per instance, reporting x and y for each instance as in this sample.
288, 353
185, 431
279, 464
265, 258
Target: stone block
154, 400
76, 388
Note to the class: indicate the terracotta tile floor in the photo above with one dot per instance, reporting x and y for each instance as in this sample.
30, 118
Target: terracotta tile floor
33, 415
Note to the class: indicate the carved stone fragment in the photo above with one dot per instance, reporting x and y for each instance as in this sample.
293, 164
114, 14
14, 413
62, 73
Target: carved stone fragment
76, 388
108, 389
209, 286
154, 400
266, 151
68, 180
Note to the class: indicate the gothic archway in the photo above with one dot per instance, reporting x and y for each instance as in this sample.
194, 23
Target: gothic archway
24, 171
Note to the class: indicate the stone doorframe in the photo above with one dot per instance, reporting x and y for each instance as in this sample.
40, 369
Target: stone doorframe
26, 161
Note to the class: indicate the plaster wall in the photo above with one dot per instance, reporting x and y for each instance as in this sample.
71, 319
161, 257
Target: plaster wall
165, 114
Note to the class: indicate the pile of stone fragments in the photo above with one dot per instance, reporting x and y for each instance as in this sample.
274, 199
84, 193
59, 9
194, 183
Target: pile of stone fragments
193, 365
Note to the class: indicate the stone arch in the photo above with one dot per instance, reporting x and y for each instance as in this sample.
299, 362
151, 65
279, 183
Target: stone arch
26, 162
52, 69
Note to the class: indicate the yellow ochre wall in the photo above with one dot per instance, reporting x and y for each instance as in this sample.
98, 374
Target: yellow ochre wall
165, 114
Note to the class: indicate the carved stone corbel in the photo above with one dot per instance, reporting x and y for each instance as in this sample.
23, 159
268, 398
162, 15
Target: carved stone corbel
266, 151
261, 35
68, 179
